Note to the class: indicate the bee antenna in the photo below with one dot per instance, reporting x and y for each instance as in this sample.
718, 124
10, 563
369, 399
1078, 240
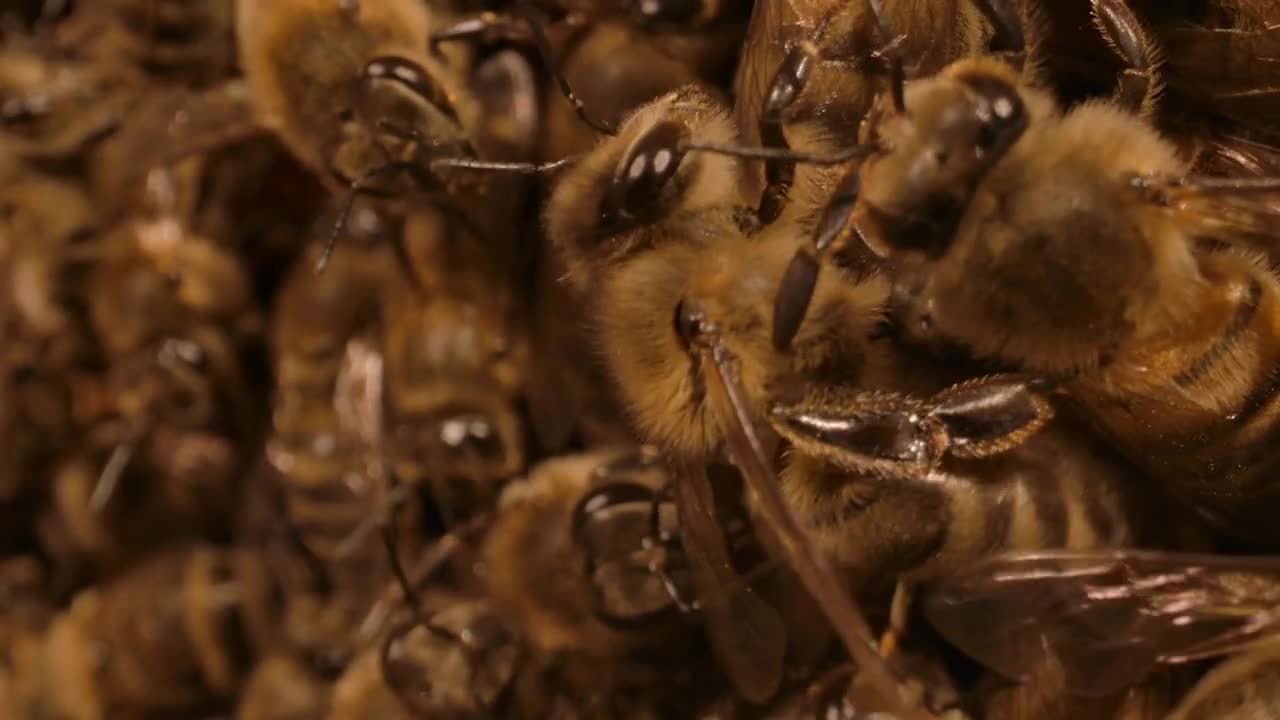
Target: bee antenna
522, 168
534, 19
348, 201
766, 153
113, 470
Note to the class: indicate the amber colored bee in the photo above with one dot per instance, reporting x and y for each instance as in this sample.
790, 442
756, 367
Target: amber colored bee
170, 40
811, 67
178, 632
684, 306
1158, 323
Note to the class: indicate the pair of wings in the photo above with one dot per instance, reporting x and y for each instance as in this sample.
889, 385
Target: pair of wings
1106, 617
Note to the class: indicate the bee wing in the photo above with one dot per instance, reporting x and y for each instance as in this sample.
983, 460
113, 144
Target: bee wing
1233, 211
1236, 71
746, 634
1108, 617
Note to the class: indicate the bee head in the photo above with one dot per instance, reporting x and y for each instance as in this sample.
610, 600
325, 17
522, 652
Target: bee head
953, 131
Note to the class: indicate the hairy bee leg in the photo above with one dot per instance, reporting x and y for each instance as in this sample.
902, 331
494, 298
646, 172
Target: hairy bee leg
787, 84
1139, 85
869, 430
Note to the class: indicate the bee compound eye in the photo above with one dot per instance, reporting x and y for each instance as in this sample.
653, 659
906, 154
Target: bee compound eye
687, 322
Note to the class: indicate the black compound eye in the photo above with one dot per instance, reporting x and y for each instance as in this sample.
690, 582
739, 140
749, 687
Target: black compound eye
637, 190
1001, 114
687, 322
412, 76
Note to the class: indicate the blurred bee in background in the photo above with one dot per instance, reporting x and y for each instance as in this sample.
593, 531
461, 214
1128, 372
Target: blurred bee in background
329, 388
170, 311
137, 645
373, 112
455, 368
54, 107
186, 41
454, 659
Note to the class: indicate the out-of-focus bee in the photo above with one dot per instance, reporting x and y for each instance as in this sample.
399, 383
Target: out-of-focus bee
583, 565
168, 309
189, 41
55, 107
177, 632
454, 659
814, 67
1108, 618
327, 414
1160, 325
351, 90
282, 687
455, 366
668, 45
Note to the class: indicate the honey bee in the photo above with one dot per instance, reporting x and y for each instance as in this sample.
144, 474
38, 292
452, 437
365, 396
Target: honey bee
1165, 345
191, 42
455, 361
374, 111
458, 663
816, 67
1109, 618
667, 46
649, 231
327, 413
177, 632
55, 107
609, 634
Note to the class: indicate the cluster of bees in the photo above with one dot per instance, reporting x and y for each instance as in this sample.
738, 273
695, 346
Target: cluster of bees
639, 359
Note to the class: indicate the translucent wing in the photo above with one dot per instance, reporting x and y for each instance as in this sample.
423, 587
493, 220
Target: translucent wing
746, 634
1108, 617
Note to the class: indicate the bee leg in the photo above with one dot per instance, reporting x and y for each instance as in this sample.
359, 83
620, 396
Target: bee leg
899, 612
991, 415
1140, 82
787, 84
901, 436
831, 234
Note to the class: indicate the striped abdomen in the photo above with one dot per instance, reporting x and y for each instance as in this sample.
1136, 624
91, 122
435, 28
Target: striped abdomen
1200, 410
1054, 491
